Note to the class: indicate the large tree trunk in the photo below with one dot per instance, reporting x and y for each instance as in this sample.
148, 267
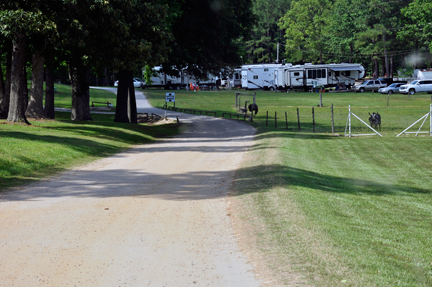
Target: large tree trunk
18, 99
2, 87
132, 108
121, 114
4, 107
80, 94
126, 110
49, 89
35, 104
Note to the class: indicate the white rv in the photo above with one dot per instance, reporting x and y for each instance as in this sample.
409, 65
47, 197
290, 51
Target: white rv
162, 80
326, 75
259, 76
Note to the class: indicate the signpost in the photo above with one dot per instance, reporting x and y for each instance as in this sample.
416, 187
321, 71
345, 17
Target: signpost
170, 97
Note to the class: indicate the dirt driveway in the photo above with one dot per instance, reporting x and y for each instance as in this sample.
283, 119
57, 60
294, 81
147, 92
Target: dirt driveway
155, 215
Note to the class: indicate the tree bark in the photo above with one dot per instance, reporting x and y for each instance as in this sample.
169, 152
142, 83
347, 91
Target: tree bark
18, 81
35, 104
49, 89
132, 108
80, 94
4, 107
121, 114
2, 87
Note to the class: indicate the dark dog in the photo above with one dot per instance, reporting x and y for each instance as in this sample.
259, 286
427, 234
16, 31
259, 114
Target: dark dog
375, 120
253, 107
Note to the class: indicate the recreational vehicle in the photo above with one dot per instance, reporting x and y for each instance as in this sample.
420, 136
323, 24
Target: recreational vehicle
165, 81
326, 75
259, 76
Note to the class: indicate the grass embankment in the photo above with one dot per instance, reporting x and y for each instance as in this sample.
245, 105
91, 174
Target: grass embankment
48, 146
339, 211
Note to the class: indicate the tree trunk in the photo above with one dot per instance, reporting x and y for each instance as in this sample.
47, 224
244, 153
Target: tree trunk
132, 108
49, 89
387, 71
121, 114
18, 81
376, 67
35, 104
2, 87
80, 94
126, 110
4, 107
391, 66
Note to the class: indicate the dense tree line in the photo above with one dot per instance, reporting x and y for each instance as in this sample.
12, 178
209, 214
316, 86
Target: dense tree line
92, 36
381, 35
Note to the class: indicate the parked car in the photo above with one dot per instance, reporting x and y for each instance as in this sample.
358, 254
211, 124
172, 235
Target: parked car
417, 86
388, 81
370, 85
393, 88
136, 82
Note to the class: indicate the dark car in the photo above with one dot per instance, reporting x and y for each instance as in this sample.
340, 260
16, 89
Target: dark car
388, 81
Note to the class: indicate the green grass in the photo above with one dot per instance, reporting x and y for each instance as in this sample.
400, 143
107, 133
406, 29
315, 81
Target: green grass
63, 96
49, 146
338, 211
400, 114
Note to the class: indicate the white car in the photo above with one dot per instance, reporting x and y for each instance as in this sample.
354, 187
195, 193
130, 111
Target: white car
418, 86
136, 82
393, 88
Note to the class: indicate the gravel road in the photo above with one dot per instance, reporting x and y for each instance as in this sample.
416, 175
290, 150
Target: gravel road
155, 215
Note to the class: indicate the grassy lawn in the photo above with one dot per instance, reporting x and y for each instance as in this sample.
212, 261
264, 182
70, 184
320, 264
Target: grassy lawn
48, 146
339, 211
401, 112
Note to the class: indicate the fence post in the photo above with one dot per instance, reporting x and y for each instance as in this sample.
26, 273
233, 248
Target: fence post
298, 118
237, 94
332, 118
276, 120
286, 120
313, 118
267, 119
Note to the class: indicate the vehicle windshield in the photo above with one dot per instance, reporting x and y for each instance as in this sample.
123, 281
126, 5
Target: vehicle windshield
393, 85
365, 83
414, 82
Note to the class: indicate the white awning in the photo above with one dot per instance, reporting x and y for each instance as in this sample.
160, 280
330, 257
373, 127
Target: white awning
346, 68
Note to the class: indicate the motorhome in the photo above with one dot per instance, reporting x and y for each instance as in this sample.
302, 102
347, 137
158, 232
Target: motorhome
325, 75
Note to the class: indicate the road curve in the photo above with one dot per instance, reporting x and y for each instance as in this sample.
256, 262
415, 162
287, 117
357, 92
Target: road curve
154, 215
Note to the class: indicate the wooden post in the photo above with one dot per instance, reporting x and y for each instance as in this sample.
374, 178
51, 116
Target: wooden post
320, 101
237, 103
286, 120
276, 120
298, 118
267, 119
332, 118
313, 118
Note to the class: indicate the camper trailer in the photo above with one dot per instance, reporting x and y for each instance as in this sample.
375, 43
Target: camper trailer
165, 81
326, 75
259, 76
